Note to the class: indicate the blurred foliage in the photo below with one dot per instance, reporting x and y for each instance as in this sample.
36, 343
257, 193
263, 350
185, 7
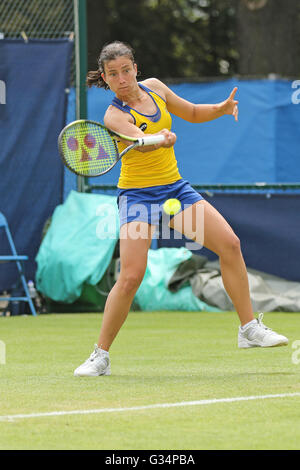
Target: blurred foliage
171, 38
194, 39
189, 39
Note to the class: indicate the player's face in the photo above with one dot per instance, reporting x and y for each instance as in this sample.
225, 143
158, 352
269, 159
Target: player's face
120, 75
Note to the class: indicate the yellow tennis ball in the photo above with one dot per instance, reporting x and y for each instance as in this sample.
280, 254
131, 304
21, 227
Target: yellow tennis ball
172, 206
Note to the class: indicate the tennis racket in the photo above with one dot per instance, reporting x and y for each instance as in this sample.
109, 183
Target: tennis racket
88, 148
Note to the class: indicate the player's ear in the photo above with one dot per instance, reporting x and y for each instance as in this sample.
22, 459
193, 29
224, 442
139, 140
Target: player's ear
103, 76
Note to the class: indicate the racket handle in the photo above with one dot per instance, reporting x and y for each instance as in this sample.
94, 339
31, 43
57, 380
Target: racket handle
151, 140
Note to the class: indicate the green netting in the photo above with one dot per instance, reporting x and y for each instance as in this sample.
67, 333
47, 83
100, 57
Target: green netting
38, 19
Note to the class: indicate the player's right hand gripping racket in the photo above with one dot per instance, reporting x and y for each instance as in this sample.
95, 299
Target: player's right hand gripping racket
88, 148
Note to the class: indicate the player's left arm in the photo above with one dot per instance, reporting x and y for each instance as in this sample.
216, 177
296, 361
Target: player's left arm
192, 112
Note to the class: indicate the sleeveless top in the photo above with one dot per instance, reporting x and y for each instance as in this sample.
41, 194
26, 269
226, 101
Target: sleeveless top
154, 168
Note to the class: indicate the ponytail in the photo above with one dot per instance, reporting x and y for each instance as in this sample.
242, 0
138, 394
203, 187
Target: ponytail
94, 78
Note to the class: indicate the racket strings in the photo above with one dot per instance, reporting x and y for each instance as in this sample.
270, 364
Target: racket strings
89, 149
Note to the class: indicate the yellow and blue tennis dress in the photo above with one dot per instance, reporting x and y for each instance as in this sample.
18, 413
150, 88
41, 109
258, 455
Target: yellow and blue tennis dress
148, 179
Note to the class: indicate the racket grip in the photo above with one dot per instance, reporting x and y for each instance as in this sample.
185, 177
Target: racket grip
151, 140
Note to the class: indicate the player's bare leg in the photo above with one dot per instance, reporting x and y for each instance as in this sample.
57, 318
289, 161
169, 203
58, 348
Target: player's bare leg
217, 235
135, 240
203, 223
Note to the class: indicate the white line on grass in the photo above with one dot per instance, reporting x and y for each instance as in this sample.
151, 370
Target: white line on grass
148, 407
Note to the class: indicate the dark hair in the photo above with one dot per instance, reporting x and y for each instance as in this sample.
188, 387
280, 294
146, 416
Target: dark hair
109, 52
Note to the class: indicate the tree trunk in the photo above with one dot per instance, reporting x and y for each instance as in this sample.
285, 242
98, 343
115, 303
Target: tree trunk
269, 37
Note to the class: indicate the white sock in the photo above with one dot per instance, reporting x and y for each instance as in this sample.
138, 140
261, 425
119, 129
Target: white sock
105, 353
248, 324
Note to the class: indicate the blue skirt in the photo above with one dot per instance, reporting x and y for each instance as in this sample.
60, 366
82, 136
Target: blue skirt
145, 204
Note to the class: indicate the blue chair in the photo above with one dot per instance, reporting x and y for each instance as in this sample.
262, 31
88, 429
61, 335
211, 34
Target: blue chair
19, 261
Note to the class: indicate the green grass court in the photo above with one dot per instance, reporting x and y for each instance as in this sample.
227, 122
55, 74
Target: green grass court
157, 358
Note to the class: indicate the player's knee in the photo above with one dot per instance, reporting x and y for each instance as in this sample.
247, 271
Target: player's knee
231, 246
131, 281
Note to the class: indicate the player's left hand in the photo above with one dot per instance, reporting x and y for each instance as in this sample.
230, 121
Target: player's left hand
230, 106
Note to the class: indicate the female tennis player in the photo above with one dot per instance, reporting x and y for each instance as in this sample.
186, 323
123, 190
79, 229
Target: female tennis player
150, 176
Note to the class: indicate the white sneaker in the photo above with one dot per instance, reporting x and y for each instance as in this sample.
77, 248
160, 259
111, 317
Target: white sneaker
257, 334
97, 364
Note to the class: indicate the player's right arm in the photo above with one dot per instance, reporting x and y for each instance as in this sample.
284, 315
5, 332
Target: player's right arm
121, 122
